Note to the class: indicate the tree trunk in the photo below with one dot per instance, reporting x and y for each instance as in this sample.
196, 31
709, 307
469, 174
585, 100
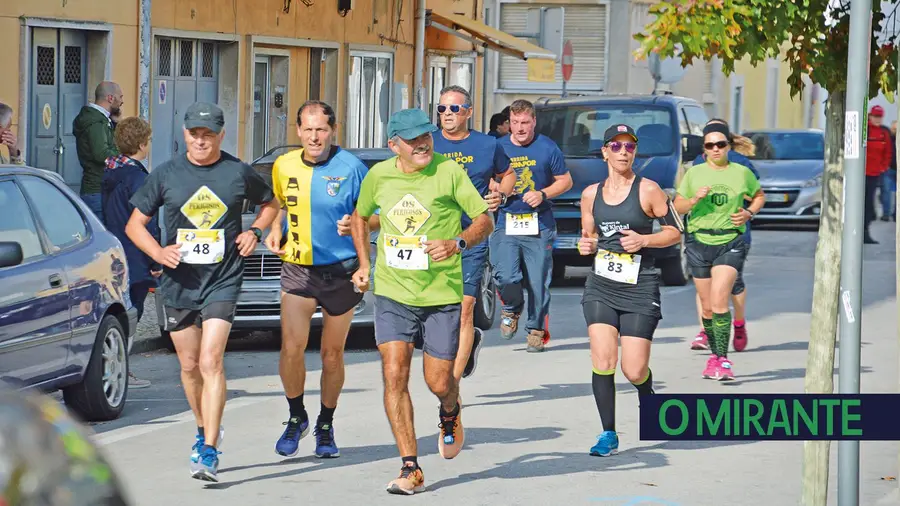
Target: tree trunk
824, 320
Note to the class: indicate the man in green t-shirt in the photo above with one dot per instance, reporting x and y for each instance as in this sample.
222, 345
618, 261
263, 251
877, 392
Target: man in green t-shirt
418, 277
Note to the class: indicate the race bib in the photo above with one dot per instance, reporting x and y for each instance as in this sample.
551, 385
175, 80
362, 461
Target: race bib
406, 252
201, 246
522, 224
621, 267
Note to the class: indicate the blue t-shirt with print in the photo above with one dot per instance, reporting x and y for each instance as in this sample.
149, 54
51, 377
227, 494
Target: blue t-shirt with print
479, 155
536, 166
735, 157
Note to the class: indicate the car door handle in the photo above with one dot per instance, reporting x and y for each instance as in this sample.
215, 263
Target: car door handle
55, 281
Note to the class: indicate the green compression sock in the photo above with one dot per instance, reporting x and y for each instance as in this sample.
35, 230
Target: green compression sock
722, 330
710, 335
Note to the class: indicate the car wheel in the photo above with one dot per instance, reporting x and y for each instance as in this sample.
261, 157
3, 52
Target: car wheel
486, 301
676, 271
101, 394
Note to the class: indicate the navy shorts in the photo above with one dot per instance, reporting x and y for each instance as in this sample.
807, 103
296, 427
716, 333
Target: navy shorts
473, 262
437, 327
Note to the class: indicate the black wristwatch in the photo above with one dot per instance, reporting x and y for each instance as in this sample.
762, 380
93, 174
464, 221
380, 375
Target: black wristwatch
461, 243
503, 198
544, 195
257, 232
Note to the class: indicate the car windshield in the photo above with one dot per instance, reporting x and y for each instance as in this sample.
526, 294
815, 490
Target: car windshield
578, 130
788, 145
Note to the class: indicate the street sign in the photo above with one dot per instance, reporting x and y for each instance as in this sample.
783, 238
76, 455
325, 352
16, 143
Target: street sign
567, 61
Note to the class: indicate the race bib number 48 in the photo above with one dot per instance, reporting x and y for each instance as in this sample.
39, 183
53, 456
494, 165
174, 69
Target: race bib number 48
201, 246
522, 224
621, 267
406, 252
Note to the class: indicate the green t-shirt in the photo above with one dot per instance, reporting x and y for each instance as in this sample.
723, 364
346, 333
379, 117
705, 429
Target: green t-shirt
727, 190
426, 205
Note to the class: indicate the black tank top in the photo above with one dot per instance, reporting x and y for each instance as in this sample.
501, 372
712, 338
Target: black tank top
611, 219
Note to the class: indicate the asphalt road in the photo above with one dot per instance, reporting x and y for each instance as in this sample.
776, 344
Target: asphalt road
529, 418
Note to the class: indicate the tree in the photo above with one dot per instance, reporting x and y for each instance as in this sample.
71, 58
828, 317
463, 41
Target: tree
812, 38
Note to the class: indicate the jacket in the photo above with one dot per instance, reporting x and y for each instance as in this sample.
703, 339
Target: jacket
121, 180
94, 144
879, 150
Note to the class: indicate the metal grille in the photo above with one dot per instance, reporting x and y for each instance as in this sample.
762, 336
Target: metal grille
164, 58
262, 266
73, 65
208, 53
186, 58
46, 66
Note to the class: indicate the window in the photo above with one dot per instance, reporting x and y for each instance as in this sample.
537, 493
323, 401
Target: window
17, 224
579, 130
460, 73
788, 146
369, 104
697, 118
62, 221
682, 123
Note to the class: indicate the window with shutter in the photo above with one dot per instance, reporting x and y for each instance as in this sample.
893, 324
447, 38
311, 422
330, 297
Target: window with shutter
585, 25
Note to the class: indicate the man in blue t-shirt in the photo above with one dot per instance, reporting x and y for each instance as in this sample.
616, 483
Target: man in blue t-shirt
483, 159
522, 242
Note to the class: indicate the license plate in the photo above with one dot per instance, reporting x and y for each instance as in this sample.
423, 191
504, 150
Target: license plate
570, 242
778, 197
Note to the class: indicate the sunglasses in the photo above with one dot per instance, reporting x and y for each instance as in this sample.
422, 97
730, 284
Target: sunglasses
720, 145
454, 108
617, 146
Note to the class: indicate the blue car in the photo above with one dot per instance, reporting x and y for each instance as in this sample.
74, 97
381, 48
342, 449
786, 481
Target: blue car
66, 319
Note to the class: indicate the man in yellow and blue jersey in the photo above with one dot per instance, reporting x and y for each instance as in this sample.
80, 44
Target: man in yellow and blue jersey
319, 186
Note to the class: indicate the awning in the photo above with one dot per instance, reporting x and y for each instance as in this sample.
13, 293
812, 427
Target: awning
541, 62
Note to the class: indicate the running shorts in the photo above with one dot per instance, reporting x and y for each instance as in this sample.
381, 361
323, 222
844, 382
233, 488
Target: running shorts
739, 286
329, 285
628, 324
178, 319
703, 257
436, 326
473, 262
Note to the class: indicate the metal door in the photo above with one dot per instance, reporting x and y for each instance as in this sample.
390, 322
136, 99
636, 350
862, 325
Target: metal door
59, 91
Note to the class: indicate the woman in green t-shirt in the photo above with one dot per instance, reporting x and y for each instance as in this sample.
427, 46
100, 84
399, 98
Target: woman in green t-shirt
713, 193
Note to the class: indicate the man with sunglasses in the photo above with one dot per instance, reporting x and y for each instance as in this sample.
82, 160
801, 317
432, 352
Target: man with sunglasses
522, 245
483, 159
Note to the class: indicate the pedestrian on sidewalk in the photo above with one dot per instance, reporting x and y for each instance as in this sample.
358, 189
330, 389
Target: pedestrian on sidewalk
8, 139
879, 151
94, 142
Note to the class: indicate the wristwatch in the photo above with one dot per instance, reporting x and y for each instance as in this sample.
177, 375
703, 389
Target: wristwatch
461, 243
543, 195
752, 214
503, 198
257, 232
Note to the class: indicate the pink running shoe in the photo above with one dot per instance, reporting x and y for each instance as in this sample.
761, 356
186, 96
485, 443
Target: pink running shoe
740, 337
724, 371
712, 365
701, 342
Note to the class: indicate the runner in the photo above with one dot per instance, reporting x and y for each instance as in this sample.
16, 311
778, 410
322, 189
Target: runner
483, 159
522, 245
621, 296
713, 193
320, 184
741, 148
203, 268
418, 278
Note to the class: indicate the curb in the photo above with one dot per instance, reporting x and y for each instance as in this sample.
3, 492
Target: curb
149, 344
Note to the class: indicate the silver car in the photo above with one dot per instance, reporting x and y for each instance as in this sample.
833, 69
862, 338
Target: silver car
790, 165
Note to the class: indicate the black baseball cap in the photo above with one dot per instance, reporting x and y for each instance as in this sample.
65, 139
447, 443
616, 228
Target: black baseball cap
204, 115
618, 129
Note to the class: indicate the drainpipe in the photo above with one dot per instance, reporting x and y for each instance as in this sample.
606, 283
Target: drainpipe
144, 64
420, 55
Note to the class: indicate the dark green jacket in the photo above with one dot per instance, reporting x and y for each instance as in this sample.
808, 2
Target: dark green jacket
94, 142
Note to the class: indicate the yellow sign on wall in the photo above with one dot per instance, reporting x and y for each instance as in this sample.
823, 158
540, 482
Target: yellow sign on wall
541, 70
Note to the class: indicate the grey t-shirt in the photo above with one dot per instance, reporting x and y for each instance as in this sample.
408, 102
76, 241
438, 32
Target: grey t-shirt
202, 197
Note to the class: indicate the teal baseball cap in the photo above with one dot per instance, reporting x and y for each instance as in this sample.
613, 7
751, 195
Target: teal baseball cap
409, 124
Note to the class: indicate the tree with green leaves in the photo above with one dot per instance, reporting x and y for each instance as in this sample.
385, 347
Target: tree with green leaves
812, 37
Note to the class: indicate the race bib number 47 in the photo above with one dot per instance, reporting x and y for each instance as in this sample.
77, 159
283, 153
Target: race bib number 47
406, 252
621, 267
201, 246
522, 224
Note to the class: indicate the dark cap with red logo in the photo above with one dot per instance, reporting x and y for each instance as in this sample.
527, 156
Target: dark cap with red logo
620, 129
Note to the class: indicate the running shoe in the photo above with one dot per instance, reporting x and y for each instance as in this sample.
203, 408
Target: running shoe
536, 341
473, 356
607, 444
701, 342
207, 466
410, 481
200, 441
326, 448
289, 442
451, 436
740, 337
712, 365
509, 323
724, 370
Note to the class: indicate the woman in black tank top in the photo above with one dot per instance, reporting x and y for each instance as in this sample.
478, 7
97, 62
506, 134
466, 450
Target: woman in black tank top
621, 295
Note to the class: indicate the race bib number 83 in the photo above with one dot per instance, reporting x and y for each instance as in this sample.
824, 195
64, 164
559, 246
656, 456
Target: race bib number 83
406, 252
621, 267
201, 246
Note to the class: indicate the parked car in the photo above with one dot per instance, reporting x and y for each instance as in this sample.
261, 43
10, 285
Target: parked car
790, 165
259, 305
66, 319
669, 130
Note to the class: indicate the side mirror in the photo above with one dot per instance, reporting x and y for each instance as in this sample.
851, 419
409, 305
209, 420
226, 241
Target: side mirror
692, 147
10, 254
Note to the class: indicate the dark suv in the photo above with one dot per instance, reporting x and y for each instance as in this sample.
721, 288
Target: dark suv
669, 131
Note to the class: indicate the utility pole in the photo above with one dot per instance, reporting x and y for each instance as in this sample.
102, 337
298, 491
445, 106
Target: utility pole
855, 122
419, 60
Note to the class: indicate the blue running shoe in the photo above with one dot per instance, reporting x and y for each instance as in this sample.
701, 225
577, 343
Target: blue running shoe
195, 450
326, 448
207, 466
289, 442
607, 444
